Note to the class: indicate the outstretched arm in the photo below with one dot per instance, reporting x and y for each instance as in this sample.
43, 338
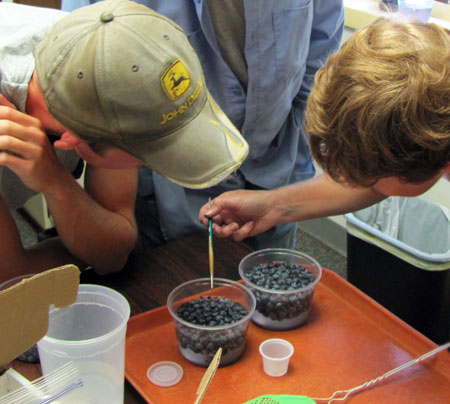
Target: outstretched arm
244, 214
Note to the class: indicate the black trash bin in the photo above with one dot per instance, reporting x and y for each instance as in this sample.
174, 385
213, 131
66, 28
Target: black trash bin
398, 253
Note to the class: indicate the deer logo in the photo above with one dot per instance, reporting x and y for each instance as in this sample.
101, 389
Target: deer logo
176, 80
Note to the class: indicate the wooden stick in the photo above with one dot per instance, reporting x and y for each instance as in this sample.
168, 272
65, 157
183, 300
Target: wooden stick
207, 377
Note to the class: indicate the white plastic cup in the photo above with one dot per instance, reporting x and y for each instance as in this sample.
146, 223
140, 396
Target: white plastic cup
276, 353
91, 333
416, 9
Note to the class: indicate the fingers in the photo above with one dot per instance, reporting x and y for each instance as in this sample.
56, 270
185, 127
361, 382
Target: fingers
225, 230
239, 233
207, 213
220, 229
19, 133
244, 232
15, 163
21, 141
227, 220
10, 114
212, 212
20, 152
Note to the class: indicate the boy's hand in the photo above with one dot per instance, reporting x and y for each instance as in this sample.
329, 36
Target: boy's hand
240, 214
26, 150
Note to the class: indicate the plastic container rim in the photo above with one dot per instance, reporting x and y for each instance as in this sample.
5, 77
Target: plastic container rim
280, 341
280, 250
224, 282
91, 341
429, 258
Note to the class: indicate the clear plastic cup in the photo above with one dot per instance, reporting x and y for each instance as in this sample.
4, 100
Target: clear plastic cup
281, 309
415, 9
198, 344
276, 354
91, 333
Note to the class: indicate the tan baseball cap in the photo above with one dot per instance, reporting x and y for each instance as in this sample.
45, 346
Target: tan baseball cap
118, 73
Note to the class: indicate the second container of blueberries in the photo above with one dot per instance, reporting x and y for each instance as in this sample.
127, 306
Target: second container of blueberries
283, 282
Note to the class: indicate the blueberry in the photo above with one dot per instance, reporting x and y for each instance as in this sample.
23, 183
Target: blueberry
281, 276
30, 356
211, 312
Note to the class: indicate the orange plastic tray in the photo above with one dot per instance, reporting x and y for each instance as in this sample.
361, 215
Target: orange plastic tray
348, 340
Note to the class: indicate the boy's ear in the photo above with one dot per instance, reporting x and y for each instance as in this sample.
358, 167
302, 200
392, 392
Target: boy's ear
68, 141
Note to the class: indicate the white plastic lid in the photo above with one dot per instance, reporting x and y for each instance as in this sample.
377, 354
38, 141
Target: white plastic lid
165, 374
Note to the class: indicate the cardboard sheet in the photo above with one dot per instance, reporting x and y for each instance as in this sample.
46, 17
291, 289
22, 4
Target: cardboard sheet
24, 308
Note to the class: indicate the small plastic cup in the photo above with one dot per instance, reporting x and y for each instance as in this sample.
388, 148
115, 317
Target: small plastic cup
91, 333
416, 9
276, 354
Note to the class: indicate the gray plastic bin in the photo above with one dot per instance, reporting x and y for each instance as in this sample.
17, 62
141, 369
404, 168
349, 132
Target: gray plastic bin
398, 252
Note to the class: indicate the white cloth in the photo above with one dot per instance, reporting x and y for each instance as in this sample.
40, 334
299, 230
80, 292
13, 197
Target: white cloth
21, 28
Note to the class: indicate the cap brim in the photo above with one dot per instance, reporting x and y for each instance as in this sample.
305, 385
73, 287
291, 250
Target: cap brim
199, 155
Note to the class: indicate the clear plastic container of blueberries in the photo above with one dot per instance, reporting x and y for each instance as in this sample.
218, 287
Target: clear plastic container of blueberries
206, 319
283, 282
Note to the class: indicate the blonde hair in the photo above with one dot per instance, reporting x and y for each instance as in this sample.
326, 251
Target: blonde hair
380, 106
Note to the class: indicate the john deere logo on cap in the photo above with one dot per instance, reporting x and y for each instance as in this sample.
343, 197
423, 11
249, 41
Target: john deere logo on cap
176, 80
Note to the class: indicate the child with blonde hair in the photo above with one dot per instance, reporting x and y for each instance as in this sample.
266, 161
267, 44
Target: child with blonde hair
378, 118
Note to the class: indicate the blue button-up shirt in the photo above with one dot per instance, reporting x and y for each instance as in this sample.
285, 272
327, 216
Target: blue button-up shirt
286, 42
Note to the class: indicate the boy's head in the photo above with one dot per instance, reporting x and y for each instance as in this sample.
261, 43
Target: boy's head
118, 74
380, 107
